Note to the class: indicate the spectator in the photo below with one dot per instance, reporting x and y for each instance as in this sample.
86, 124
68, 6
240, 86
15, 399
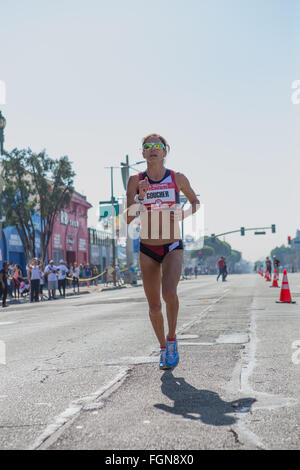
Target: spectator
50, 272
95, 274
196, 271
35, 278
81, 271
225, 272
24, 288
88, 274
42, 282
132, 275
18, 275
3, 283
75, 273
118, 275
10, 276
110, 273
62, 278
221, 265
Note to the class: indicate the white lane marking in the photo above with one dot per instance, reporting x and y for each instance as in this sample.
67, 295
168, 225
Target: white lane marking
74, 408
188, 343
264, 400
131, 360
7, 322
202, 313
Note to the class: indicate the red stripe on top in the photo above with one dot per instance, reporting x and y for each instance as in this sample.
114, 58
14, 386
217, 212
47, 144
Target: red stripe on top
173, 178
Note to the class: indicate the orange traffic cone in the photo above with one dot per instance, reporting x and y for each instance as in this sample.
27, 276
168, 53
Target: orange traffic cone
268, 276
275, 280
285, 294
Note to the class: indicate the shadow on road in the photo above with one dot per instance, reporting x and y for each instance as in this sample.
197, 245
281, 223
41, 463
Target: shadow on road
204, 405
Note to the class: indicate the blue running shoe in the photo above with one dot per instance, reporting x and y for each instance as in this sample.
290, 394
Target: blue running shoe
162, 359
172, 357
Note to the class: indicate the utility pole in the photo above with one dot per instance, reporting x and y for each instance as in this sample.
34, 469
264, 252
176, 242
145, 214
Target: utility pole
113, 220
125, 177
2, 127
113, 202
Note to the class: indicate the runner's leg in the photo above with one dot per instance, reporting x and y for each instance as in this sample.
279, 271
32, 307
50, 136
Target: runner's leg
171, 271
151, 274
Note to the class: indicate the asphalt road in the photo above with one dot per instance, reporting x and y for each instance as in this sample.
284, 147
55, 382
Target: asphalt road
82, 372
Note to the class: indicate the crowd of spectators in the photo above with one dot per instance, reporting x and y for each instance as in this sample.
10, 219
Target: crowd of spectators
43, 280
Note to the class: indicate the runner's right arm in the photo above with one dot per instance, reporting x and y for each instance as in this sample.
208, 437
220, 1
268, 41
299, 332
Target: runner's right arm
132, 206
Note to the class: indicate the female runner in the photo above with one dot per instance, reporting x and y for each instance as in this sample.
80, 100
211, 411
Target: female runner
155, 194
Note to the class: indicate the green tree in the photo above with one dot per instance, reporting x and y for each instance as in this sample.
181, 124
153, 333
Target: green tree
35, 184
220, 248
205, 252
235, 257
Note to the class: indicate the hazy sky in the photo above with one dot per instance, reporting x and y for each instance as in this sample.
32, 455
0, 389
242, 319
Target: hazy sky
90, 79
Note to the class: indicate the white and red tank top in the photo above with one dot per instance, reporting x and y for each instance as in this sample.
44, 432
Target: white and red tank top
163, 193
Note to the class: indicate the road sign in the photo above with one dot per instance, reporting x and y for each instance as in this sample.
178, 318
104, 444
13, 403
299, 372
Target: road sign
107, 210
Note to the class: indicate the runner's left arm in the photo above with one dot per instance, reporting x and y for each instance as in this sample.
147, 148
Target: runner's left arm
184, 186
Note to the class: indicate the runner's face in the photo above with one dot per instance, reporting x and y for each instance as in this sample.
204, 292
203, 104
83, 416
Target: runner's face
153, 154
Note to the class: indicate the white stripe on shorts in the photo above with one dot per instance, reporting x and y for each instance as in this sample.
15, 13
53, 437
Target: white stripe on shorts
173, 246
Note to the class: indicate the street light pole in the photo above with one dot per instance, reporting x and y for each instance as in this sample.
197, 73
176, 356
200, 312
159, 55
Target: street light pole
113, 201
113, 221
2, 127
125, 166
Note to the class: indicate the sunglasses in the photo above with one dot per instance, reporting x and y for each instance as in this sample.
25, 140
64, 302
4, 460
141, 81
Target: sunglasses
155, 145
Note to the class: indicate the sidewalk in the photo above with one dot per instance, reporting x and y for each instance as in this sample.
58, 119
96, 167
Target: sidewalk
12, 302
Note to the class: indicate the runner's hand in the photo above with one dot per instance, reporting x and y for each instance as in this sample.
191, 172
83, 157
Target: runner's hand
143, 187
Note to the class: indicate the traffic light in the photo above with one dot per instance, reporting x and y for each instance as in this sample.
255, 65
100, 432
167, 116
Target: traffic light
242, 231
273, 227
289, 240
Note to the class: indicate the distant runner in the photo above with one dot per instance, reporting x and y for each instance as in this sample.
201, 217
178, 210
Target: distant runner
276, 264
268, 265
155, 192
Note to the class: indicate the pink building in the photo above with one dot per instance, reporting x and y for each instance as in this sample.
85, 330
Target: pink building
70, 237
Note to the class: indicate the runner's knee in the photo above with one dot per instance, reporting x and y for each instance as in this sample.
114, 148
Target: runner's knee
155, 309
169, 294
